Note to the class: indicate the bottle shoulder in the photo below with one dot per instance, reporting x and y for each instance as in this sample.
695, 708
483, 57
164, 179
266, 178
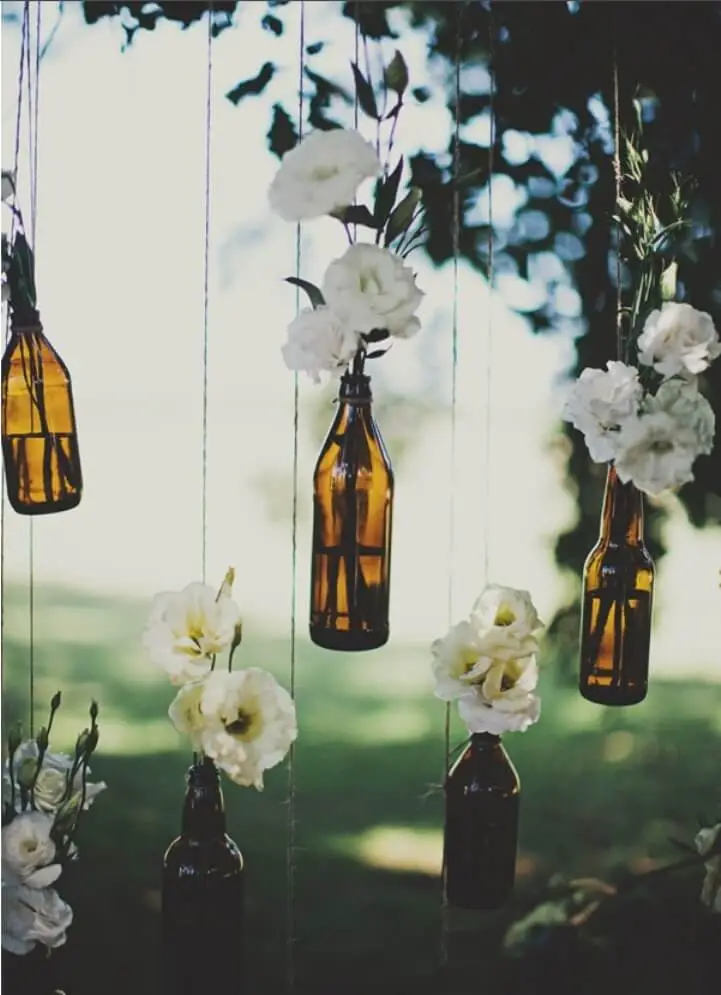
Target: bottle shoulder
219, 852
609, 552
488, 772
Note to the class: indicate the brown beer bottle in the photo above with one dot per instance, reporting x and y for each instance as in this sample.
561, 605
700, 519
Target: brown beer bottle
352, 517
481, 828
617, 598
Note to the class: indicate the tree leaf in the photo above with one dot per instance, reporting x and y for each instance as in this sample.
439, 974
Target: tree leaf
253, 86
314, 293
364, 92
356, 214
386, 192
282, 136
402, 215
395, 75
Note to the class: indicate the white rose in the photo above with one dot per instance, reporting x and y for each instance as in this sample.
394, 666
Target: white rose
507, 623
186, 714
505, 701
600, 402
678, 338
686, 404
51, 783
28, 850
250, 723
705, 841
31, 916
656, 452
322, 174
187, 628
370, 287
457, 661
318, 340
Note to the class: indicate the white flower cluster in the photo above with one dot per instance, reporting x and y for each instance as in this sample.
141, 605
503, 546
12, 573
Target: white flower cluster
652, 439
368, 288
243, 720
488, 664
708, 844
32, 911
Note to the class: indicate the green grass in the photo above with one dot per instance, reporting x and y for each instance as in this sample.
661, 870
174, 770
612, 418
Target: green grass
602, 790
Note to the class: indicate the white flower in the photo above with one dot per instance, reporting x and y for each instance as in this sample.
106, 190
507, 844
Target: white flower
51, 784
28, 850
507, 623
370, 287
656, 452
457, 661
319, 340
678, 338
31, 916
600, 402
8, 185
683, 401
187, 628
250, 723
185, 712
322, 174
505, 701
705, 841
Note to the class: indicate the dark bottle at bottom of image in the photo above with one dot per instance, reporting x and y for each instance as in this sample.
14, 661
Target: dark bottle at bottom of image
481, 827
202, 896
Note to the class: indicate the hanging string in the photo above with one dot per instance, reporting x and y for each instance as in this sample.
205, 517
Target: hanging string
290, 856
491, 281
206, 294
617, 181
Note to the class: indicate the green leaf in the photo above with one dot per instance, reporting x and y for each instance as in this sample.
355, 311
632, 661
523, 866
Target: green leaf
386, 192
314, 294
376, 353
356, 214
282, 136
395, 75
364, 93
402, 216
375, 335
253, 86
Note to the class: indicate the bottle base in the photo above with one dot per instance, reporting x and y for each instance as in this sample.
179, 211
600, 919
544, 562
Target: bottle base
618, 697
49, 508
347, 642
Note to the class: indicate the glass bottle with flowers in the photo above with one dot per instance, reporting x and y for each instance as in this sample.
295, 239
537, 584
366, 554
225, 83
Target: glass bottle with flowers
649, 422
240, 722
487, 663
368, 299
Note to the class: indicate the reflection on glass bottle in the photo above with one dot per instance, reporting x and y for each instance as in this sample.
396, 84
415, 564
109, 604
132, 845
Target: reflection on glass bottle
481, 829
202, 895
617, 599
353, 506
39, 438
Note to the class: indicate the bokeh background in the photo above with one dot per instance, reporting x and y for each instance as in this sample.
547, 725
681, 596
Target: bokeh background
121, 176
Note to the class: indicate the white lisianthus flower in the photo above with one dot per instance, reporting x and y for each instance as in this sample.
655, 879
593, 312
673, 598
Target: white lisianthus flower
656, 452
457, 661
600, 402
686, 404
678, 339
187, 628
186, 714
506, 622
318, 340
51, 783
370, 287
706, 841
322, 174
28, 850
505, 701
30, 916
250, 723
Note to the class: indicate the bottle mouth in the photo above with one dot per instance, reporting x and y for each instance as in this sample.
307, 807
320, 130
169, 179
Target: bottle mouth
203, 773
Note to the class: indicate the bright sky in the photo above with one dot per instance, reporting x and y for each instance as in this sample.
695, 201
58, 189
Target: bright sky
120, 276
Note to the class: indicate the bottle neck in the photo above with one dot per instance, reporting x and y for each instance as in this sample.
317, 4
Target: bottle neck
484, 740
622, 516
355, 390
203, 809
25, 319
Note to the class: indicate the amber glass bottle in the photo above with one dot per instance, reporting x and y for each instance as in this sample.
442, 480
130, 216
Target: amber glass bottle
202, 896
39, 438
617, 599
353, 508
481, 829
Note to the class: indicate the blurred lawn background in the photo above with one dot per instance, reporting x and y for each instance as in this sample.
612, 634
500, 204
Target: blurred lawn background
120, 272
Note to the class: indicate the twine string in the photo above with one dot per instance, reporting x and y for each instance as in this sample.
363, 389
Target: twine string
206, 294
491, 283
617, 181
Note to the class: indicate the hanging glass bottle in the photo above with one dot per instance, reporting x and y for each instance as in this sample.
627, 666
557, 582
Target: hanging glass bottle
202, 895
39, 437
618, 582
481, 827
353, 507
